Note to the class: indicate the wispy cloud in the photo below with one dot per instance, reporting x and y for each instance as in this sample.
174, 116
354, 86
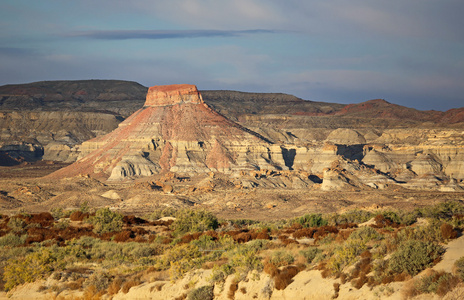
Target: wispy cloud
163, 34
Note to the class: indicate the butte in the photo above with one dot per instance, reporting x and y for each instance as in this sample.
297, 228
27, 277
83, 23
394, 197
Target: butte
175, 131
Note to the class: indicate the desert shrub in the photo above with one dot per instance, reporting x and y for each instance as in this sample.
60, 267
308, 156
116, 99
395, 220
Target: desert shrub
304, 232
58, 213
354, 216
106, 220
258, 245
62, 224
78, 216
28, 269
129, 284
123, 236
345, 255
433, 232
115, 286
12, 240
181, 259
310, 253
413, 256
85, 241
432, 281
160, 213
99, 280
448, 232
220, 272
365, 234
402, 217
443, 211
244, 258
283, 277
16, 224
188, 220
205, 242
145, 250
311, 220
202, 293
281, 258
459, 268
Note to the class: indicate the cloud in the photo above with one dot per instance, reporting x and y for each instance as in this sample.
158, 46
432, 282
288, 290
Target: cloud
163, 34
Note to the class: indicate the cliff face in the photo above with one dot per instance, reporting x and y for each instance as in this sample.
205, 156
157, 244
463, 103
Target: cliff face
174, 131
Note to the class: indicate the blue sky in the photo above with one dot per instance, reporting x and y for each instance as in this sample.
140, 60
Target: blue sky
407, 52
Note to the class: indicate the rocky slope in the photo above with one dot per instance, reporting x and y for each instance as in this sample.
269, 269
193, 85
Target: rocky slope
175, 131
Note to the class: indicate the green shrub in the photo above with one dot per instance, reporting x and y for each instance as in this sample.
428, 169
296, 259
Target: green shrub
402, 217
311, 220
346, 254
365, 234
62, 224
220, 272
99, 280
413, 256
281, 258
161, 213
180, 259
459, 268
243, 259
33, 266
188, 220
202, 293
432, 281
12, 240
429, 233
310, 253
58, 213
443, 210
106, 220
355, 216
258, 245
16, 224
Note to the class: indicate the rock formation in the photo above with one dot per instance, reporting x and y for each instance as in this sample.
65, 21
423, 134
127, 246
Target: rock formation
174, 131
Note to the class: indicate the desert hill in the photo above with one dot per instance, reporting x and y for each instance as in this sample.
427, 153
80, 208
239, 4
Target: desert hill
174, 131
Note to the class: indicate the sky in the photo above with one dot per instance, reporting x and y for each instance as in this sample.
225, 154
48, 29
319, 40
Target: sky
409, 53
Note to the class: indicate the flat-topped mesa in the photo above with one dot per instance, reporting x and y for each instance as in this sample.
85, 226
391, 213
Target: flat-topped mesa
163, 95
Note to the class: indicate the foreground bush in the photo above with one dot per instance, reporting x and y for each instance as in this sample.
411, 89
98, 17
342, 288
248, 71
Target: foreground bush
106, 220
459, 268
439, 283
346, 254
202, 293
188, 220
311, 220
413, 256
12, 240
32, 267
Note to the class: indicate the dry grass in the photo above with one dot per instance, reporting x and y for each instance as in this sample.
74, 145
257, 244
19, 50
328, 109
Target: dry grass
129, 284
115, 286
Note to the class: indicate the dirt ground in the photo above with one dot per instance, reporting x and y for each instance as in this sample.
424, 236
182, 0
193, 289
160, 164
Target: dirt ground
22, 188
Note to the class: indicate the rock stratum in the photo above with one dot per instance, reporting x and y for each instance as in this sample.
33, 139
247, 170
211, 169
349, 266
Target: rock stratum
175, 131
271, 140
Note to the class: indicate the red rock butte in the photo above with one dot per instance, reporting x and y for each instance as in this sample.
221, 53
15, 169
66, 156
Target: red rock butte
162, 95
174, 131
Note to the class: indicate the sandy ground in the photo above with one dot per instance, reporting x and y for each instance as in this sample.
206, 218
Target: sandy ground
454, 251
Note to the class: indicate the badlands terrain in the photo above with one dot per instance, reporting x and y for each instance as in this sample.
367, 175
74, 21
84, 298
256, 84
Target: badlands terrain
248, 158
238, 154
